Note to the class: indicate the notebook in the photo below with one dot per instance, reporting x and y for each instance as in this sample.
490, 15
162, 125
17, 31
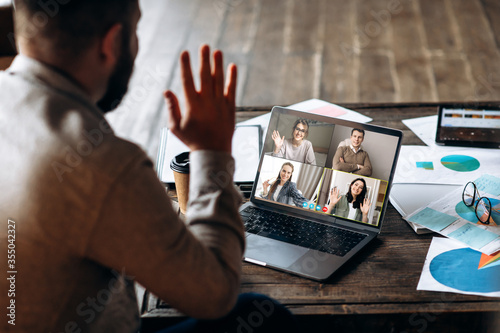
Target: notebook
307, 214
246, 149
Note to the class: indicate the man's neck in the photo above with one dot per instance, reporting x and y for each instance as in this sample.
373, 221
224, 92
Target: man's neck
76, 72
356, 149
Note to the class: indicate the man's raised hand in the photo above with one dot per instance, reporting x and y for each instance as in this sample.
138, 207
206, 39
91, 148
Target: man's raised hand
209, 120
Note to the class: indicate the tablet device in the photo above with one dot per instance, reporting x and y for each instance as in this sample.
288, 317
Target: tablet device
468, 127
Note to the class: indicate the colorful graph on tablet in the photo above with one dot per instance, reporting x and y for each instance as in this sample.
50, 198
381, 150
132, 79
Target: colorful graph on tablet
460, 163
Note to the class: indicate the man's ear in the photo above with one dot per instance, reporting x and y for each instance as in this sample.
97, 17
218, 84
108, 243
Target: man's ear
111, 46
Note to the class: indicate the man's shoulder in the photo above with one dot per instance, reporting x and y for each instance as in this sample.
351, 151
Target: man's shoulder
343, 149
96, 145
69, 129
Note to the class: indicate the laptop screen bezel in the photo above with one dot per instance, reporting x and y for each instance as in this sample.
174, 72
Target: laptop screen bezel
326, 218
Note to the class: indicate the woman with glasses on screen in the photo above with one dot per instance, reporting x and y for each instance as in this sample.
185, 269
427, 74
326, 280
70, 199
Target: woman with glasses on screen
297, 148
283, 189
353, 205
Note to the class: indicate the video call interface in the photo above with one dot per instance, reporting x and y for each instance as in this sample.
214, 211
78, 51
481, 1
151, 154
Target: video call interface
325, 168
469, 125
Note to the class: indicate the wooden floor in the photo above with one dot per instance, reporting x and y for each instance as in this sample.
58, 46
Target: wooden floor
337, 50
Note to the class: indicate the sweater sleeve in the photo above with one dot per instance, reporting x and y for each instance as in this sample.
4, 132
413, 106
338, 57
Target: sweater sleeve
366, 170
282, 150
297, 198
195, 265
342, 166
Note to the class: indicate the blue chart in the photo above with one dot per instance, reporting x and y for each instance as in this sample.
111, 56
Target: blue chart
461, 163
469, 214
458, 269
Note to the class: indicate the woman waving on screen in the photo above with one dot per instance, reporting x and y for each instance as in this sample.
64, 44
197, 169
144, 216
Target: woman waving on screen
353, 205
297, 148
283, 190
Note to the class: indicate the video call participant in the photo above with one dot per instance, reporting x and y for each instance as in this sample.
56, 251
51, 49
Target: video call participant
353, 158
283, 189
353, 205
297, 148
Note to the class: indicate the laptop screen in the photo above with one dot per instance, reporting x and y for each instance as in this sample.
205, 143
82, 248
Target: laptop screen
316, 164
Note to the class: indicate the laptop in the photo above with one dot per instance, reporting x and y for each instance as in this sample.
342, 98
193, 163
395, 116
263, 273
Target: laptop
304, 214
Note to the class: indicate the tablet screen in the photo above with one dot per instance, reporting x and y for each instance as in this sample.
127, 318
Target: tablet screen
468, 127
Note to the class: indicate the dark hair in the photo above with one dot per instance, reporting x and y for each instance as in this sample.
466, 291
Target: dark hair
360, 197
358, 130
278, 179
71, 25
303, 122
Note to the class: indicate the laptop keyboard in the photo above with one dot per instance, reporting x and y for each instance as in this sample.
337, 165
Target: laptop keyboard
300, 232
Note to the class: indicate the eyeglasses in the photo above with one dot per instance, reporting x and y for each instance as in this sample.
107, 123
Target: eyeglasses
300, 130
483, 209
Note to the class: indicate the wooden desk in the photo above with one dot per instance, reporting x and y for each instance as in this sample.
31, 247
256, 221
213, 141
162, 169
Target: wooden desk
376, 291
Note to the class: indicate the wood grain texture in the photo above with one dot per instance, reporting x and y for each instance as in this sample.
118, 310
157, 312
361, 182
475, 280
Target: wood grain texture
492, 11
439, 33
412, 64
357, 51
340, 57
374, 25
455, 90
375, 79
480, 47
266, 63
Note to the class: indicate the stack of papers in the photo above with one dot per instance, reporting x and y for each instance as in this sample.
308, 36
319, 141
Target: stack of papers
467, 261
450, 217
421, 168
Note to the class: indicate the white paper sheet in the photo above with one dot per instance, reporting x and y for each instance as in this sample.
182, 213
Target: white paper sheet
329, 109
407, 170
451, 267
424, 127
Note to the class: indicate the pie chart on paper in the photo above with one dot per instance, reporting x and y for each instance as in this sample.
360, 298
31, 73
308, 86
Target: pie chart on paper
460, 163
459, 269
465, 212
469, 213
